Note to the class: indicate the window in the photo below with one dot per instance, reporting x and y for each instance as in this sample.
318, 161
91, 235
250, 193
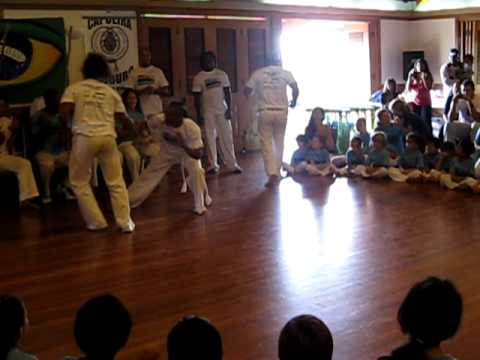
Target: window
161, 48
227, 54
194, 48
257, 49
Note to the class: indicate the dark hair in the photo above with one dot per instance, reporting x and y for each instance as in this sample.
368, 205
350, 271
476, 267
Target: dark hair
301, 138
425, 64
311, 129
125, 94
467, 146
431, 312
357, 139
52, 99
206, 56
468, 56
102, 327
448, 146
194, 337
95, 67
390, 80
416, 138
434, 141
305, 337
12, 320
469, 83
382, 134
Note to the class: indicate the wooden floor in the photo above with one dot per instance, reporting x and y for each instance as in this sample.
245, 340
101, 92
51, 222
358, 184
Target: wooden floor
346, 252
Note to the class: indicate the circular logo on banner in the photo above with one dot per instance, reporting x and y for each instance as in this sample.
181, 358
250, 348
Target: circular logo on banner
112, 42
15, 55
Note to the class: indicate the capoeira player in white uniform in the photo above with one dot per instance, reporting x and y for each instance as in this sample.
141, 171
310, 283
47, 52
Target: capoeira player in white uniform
94, 105
181, 143
213, 98
151, 84
269, 87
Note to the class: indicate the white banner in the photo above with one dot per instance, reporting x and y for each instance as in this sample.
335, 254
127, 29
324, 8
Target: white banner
116, 38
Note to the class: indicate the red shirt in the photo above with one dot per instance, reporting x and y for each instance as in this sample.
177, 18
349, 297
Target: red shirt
422, 94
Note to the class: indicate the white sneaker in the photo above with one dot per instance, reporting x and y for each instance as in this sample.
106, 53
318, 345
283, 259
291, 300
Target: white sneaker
97, 227
208, 201
129, 228
200, 212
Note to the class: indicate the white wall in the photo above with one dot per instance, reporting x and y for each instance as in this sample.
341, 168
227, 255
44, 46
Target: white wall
71, 18
435, 37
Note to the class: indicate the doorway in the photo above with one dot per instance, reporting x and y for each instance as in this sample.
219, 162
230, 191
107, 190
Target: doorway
330, 60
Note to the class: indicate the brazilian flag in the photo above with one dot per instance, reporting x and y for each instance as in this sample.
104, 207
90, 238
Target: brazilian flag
32, 58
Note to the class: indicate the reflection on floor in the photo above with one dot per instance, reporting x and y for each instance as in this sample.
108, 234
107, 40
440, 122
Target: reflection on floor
346, 251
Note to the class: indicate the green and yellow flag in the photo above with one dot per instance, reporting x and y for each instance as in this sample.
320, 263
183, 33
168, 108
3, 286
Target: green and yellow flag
32, 58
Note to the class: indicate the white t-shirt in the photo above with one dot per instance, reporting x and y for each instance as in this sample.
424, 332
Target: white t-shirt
269, 86
190, 132
143, 77
211, 84
95, 106
465, 111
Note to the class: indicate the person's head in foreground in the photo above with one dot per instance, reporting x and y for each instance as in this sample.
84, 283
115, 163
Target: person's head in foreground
361, 125
305, 337
384, 118
430, 314
13, 320
414, 141
454, 56
433, 146
468, 89
145, 57
102, 327
390, 86
130, 100
52, 100
399, 108
96, 67
194, 338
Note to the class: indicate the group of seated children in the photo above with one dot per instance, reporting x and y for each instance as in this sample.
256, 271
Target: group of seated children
393, 151
430, 314
50, 144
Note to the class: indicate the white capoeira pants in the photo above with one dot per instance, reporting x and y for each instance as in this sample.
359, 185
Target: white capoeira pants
272, 126
310, 169
398, 175
85, 150
447, 181
132, 158
151, 177
362, 170
47, 164
216, 125
23, 170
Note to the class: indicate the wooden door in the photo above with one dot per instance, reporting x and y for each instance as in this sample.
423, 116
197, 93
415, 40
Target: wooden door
176, 46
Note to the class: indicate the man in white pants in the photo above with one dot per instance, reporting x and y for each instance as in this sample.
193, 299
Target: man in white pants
150, 83
94, 106
269, 86
181, 143
213, 99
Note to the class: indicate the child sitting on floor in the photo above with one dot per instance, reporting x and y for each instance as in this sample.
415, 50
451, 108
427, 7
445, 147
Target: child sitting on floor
377, 160
355, 157
299, 157
447, 153
318, 158
362, 133
411, 161
461, 168
431, 155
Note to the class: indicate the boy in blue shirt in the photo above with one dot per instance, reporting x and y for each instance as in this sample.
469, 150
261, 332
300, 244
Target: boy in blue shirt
432, 155
411, 161
394, 133
378, 159
299, 157
461, 168
447, 153
318, 158
355, 157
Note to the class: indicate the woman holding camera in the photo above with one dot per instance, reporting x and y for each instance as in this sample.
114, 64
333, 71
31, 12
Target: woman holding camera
420, 82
